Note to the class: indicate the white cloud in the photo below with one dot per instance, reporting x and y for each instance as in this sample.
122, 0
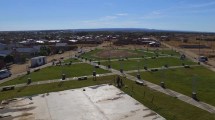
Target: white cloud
105, 18
153, 15
122, 14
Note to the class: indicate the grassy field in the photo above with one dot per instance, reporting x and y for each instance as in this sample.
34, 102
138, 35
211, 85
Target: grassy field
160, 52
55, 72
137, 53
150, 63
71, 59
91, 54
168, 107
181, 80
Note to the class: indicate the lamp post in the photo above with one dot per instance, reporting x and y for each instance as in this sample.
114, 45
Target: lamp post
194, 95
138, 68
63, 74
121, 65
162, 81
109, 59
94, 72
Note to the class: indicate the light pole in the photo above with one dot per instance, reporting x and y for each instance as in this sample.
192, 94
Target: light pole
194, 95
138, 68
63, 74
28, 73
162, 81
121, 65
109, 59
94, 72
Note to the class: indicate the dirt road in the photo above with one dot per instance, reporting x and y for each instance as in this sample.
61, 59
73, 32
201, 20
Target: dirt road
193, 56
19, 68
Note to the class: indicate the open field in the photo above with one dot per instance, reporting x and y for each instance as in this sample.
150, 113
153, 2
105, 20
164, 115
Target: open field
150, 63
168, 107
104, 54
71, 60
181, 80
203, 51
55, 72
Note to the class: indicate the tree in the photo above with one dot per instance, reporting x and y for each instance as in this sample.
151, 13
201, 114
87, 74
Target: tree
8, 59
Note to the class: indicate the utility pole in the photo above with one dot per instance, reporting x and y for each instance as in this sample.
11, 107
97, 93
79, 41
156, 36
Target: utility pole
109, 59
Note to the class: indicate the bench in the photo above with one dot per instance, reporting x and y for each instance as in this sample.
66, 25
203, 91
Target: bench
7, 88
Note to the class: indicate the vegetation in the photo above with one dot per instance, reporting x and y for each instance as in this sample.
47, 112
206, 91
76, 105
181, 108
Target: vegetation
150, 63
71, 60
55, 72
168, 107
181, 80
91, 54
137, 53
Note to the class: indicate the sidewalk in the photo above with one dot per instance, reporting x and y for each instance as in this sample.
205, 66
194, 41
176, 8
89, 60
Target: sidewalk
57, 80
169, 92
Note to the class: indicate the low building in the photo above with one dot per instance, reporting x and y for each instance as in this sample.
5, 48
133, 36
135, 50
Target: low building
5, 52
38, 61
3, 46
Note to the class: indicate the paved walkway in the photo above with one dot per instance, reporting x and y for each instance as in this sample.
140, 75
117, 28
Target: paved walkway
160, 68
57, 80
98, 75
31, 70
169, 92
112, 60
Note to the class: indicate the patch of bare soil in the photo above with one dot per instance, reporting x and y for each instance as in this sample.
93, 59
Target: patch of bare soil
114, 53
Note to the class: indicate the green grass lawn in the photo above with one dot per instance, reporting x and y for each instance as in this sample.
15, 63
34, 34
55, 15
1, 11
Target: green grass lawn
91, 54
167, 106
55, 72
138, 53
181, 80
150, 63
71, 59
160, 52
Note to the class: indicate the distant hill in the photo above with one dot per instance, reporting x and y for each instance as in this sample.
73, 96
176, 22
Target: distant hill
119, 30
113, 30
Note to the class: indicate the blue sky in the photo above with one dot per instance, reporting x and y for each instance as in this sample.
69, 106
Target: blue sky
195, 15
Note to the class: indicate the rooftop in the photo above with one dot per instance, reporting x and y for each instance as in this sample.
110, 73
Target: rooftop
104, 102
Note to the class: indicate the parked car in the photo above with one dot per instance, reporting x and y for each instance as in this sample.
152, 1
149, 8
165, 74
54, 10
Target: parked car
5, 73
203, 59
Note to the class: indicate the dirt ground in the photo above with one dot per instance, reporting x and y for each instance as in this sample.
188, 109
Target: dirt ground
19, 68
206, 51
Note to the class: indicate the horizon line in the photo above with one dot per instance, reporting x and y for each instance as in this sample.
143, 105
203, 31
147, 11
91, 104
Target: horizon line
152, 30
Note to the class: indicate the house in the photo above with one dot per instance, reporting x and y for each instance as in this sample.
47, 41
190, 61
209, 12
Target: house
73, 41
61, 45
27, 51
154, 44
3, 46
5, 52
